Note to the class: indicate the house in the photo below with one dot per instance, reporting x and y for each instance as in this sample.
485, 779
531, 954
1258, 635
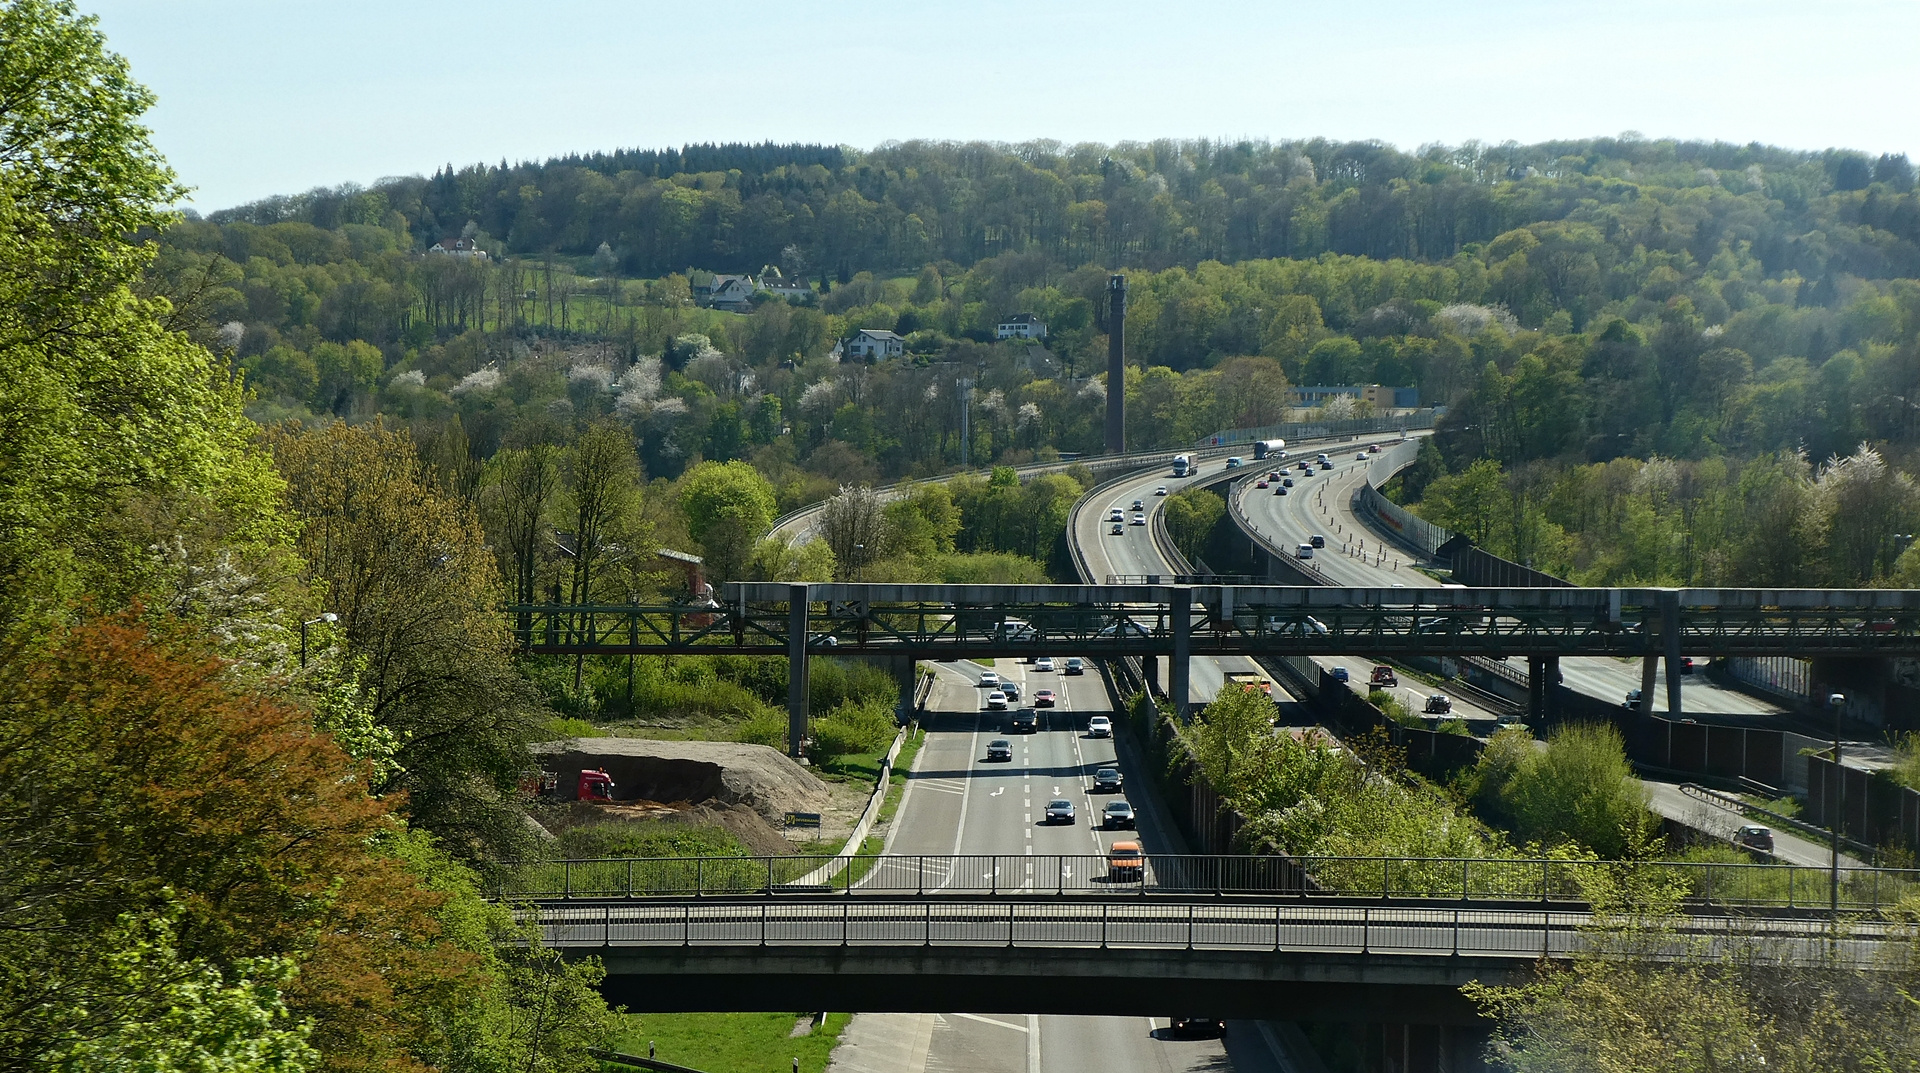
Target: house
731, 293
873, 346
1020, 326
458, 247
780, 286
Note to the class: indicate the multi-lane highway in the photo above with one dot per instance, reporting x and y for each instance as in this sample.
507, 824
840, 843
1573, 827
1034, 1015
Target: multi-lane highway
958, 802
1357, 556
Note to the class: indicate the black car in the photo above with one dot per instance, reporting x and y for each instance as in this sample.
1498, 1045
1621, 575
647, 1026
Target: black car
1024, 721
1108, 780
1117, 814
1011, 689
1197, 1026
999, 749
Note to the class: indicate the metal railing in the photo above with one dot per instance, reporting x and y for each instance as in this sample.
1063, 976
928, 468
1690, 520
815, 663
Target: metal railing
1220, 926
1383, 879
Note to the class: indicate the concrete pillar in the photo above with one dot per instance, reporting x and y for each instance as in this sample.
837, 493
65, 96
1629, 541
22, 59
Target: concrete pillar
1550, 683
1177, 689
1536, 689
1670, 637
796, 670
1649, 671
1150, 672
1116, 438
903, 673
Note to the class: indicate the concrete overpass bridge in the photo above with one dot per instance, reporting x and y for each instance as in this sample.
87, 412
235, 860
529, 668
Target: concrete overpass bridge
1103, 954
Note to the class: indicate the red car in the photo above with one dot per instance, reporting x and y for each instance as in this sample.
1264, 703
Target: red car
1043, 699
1262, 483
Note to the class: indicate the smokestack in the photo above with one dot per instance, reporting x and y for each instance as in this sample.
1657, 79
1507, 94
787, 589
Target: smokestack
1116, 363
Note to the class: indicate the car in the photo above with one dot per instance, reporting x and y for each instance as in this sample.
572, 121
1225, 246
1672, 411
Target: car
1116, 515
1326, 465
1686, 664
1510, 719
1117, 814
1373, 448
1119, 529
1279, 490
1076, 665
1754, 836
1236, 462
1340, 675
1361, 457
1108, 780
1261, 483
1274, 476
1439, 704
999, 749
1384, 678
1318, 540
1099, 727
1303, 551
1059, 810
996, 701
1286, 482
1160, 491
1197, 1026
1011, 688
1125, 863
1304, 466
1304, 627
1024, 721
1123, 628
1139, 505
1043, 699
990, 678
1044, 663
1633, 699
1138, 519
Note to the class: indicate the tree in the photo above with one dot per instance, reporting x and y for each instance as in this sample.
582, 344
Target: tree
855, 527
406, 568
729, 506
1580, 789
104, 405
520, 485
603, 492
1191, 516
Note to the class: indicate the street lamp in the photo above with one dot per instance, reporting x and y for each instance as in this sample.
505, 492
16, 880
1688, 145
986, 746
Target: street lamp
327, 617
1838, 702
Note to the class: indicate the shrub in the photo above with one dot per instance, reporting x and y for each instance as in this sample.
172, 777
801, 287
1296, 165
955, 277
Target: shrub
1579, 789
862, 727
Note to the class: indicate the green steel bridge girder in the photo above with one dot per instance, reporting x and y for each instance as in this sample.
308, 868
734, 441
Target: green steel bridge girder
945, 622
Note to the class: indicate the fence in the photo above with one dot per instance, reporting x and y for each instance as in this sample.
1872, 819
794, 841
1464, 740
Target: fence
1315, 430
1874, 807
1507, 881
1405, 527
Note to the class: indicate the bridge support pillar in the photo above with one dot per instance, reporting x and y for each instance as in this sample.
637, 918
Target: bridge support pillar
1150, 673
1536, 689
1550, 685
903, 673
796, 670
1649, 668
1670, 638
1181, 607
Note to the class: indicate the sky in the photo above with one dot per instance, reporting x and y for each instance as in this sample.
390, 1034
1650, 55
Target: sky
277, 97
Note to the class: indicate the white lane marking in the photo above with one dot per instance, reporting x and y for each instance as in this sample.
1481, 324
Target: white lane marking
966, 792
1033, 1043
996, 793
990, 1021
960, 790
1026, 802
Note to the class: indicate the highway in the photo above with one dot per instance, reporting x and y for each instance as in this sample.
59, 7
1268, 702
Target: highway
1356, 555
958, 803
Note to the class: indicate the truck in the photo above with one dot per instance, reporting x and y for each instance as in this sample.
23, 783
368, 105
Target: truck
1249, 681
1270, 449
1383, 678
1182, 465
593, 784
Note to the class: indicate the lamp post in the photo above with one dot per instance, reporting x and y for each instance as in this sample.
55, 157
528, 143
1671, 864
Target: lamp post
1838, 701
327, 617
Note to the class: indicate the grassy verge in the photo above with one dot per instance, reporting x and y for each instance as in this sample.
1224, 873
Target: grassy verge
896, 786
724, 1042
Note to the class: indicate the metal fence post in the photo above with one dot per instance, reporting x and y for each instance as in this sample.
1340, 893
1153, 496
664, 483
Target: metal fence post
629, 878
846, 922
921, 883
1011, 906
1105, 907
769, 877
763, 923
1456, 933
566, 879
928, 939
1386, 879
1546, 919
606, 924
1276, 928
1189, 925
1546, 881
686, 925
1366, 937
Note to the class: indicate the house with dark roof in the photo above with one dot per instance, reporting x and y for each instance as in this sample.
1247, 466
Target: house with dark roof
1020, 326
731, 293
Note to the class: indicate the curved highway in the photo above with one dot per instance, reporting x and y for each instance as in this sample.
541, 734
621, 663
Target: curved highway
1356, 555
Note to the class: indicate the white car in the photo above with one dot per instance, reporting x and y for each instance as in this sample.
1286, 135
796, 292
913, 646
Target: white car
989, 678
1116, 515
996, 701
1303, 551
1099, 727
1138, 519
1160, 491
1361, 457
1044, 663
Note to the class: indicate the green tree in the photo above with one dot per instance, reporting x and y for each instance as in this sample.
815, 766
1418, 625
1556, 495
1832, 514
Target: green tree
1191, 515
1579, 789
729, 506
104, 405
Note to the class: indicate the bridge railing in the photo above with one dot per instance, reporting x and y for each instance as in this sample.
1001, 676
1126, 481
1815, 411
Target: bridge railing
1492, 880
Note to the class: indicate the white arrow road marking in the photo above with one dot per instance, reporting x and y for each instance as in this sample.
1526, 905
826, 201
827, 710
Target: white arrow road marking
998, 792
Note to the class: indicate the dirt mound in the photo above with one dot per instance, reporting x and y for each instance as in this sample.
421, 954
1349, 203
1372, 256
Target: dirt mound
721, 775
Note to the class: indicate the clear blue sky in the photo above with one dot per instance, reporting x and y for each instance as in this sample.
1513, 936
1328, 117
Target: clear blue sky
260, 98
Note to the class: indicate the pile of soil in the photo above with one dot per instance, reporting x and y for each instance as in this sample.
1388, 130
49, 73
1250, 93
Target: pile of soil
718, 774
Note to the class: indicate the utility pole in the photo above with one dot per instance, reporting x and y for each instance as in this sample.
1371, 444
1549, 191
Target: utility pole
1116, 364
1838, 701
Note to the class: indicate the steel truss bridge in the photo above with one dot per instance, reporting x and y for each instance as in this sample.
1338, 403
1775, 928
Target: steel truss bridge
1112, 621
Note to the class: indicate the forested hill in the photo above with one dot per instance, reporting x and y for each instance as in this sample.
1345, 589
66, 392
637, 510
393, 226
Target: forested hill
1819, 215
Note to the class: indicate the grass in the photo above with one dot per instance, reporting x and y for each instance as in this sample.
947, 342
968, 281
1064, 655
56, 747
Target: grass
896, 788
853, 767
730, 1042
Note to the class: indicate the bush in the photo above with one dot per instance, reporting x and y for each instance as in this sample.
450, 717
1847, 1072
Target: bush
1579, 789
1395, 710
861, 727
766, 727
